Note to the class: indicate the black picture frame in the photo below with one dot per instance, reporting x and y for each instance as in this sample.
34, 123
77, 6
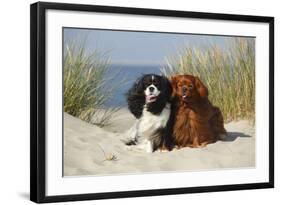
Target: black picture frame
38, 101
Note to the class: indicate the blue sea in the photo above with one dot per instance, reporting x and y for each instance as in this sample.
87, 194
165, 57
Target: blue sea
128, 73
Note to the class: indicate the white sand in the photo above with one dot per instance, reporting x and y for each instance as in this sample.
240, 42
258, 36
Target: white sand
83, 155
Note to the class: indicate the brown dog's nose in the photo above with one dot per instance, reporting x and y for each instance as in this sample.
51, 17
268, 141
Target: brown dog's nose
184, 89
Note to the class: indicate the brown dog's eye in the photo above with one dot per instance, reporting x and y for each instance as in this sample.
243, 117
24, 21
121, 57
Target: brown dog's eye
190, 86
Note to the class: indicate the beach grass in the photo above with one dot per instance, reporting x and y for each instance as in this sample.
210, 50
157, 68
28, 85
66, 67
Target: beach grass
86, 87
228, 72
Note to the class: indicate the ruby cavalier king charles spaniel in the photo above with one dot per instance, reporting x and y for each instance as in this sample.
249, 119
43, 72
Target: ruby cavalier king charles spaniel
196, 122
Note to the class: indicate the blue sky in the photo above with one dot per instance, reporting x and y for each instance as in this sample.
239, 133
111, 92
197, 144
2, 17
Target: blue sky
139, 48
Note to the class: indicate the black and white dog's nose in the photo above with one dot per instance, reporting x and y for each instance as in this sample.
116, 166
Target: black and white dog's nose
151, 89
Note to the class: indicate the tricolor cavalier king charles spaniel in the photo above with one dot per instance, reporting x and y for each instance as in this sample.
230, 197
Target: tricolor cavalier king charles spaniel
149, 101
196, 122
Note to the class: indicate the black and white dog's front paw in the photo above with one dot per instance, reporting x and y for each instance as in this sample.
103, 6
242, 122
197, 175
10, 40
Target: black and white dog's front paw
144, 146
129, 142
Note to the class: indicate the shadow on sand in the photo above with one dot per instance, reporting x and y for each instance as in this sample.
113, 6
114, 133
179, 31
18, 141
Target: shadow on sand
232, 136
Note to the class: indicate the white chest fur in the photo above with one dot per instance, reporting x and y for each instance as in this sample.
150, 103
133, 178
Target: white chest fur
149, 123
145, 127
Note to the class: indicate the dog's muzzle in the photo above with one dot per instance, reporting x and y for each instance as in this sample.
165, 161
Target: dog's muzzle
151, 94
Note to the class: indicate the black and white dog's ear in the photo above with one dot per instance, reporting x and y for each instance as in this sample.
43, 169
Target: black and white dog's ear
138, 86
136, 98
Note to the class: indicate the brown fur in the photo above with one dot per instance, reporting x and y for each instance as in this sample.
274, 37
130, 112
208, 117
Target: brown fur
196, 121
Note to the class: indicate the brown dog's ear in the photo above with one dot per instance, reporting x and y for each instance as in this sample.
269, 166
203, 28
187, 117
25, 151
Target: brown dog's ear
201, 88
173, 81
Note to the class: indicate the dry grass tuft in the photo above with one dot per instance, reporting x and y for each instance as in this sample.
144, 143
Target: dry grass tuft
86, 87
229, 74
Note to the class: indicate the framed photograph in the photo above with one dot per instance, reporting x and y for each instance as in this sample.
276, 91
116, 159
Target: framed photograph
129, 102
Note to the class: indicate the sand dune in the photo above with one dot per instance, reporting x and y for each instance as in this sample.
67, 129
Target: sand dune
90, 150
